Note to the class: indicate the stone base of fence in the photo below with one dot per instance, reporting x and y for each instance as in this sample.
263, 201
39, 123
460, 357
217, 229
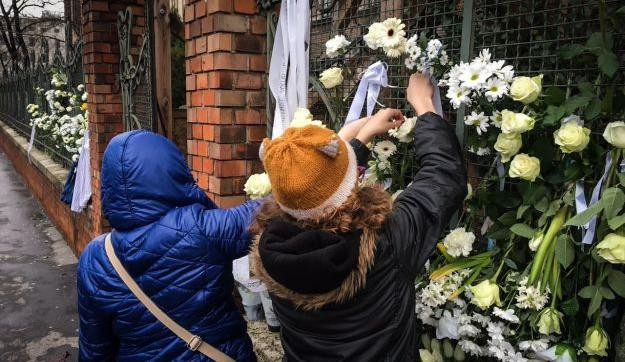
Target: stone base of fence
45, 179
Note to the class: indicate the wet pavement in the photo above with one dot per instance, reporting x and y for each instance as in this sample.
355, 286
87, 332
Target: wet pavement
38, 315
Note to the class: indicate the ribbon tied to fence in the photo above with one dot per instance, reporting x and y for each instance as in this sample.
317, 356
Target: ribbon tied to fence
372, 80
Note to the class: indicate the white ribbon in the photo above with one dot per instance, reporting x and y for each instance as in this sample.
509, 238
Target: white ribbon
288, 69
33, 130
369, 88
82, 183
501, 172
438, 106
589, 229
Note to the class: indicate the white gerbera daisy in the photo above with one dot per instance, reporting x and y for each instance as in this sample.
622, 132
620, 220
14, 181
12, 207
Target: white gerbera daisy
395, 33
384, 149
334, 45
396, 51
495, 88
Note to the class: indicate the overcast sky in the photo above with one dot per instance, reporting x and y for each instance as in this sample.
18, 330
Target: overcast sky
36, 11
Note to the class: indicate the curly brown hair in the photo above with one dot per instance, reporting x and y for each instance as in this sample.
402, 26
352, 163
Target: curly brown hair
365, 207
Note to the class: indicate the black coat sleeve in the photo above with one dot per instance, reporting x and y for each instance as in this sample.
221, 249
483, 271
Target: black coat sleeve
424, 209
361, 151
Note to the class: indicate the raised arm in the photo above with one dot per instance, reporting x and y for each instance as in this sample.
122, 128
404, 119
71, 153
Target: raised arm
227, 229
423, 210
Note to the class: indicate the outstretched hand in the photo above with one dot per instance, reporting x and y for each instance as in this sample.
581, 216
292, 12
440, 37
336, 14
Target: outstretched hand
380, 123
419, 93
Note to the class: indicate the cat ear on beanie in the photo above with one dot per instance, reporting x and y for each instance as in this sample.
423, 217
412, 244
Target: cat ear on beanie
262, 150
330, 149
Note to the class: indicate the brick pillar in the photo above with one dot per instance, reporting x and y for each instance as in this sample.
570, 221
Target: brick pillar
225, 79
100, 64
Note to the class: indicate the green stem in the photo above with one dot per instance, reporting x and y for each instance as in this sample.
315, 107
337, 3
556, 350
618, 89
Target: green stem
550, 235
494, 278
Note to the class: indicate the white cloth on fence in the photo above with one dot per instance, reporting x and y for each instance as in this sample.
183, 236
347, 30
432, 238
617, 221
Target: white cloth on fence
82, 183
373, 79
289, 66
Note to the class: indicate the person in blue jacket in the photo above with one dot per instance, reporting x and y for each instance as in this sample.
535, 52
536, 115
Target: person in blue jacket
176, 244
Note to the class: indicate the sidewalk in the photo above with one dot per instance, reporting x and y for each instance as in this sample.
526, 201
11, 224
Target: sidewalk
38, 316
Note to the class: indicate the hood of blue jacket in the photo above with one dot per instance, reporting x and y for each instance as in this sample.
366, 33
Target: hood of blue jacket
144, 175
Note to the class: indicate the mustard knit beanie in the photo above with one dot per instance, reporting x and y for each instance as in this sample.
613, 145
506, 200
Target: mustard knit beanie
311, 169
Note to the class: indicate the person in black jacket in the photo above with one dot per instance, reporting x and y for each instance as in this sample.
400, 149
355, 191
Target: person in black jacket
340, 260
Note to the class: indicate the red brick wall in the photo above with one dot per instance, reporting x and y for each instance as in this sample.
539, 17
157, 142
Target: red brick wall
75, 228
225, 78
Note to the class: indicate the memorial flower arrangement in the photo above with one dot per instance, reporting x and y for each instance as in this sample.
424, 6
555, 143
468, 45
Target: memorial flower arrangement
532, 267
62, 117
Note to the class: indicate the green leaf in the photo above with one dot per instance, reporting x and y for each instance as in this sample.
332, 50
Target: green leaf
542, 205
606, 293
564, 251
587, 292
575, 102
584, 217
612, 200
616, 222
554, 96
595, 303
593, 110
621, 178
608, 63
511, 264
570, 307
587, 89
532, 193
620, 11
523, 230
616, 281
570, 51
554, 114
599, 41
521, 211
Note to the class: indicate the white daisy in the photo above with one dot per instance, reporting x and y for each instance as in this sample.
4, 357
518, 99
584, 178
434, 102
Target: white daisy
495, 119
495, 88
433, 48
458, 96
395, 33
334, 45
384, 149
479, 120
474, 76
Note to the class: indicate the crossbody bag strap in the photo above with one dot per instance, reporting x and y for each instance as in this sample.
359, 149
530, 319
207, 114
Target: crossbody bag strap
194, 342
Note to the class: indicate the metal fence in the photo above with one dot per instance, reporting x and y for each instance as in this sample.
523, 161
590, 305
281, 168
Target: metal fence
526, 33
17, 90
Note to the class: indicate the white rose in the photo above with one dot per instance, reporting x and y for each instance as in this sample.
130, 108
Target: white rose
508, 145
614, 134
257, 186
525, 167
516, 122
404, 132
459, 242
485, 294
525, 89
331, 77
571, 137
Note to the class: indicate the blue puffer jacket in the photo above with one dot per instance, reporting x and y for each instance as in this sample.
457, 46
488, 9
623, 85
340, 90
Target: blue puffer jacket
176, 245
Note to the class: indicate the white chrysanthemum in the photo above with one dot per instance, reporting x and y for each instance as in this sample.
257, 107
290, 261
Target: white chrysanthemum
474, 76
530, 297
471, 348
459, 242
537, 345
458, 96
484, 55
384, 149
507, 315
479, 120
468, 330
334, 45
495, 88
433, 48
481, 319
257, 186
506, 73
302, 118
404, 132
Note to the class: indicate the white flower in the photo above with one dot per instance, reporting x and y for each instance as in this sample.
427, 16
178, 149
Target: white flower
404, 132
474, 76
397, 50
447, 326
537, 345
484, 56
389, 35
334, 45
495, 119
468, 330
506, 73
433, 48
331, 77
614, 134
530, 297
458, 96
524, 167
507, 315
257, 186
495, 89
302, 118
459, 242
479, 120
384, 149
444, 58
512, 122
480, 151
394, 34
471, 348
374, 36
